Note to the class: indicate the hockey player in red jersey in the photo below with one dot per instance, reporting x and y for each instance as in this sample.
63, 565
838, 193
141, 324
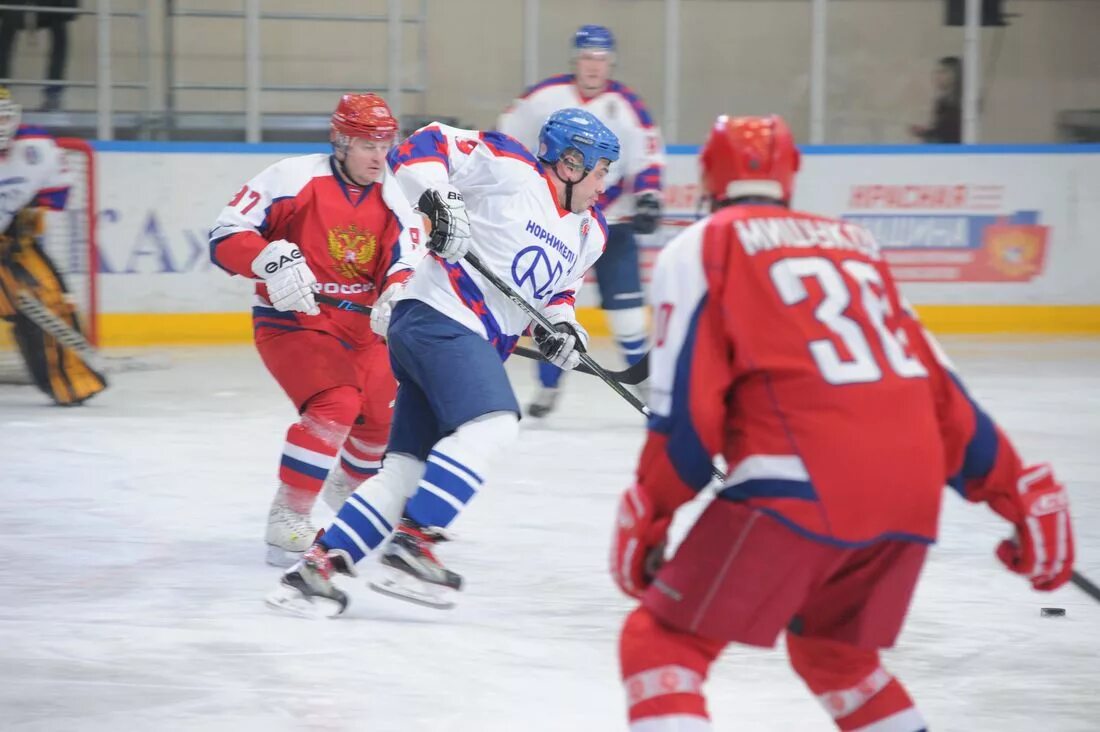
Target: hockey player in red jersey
783, 345
336, 224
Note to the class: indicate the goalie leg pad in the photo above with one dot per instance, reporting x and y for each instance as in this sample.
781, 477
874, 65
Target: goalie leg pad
55, 369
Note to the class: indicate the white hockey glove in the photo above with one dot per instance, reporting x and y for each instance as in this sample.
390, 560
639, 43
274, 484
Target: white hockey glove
562, 346
382, 308
289, 279
445, 209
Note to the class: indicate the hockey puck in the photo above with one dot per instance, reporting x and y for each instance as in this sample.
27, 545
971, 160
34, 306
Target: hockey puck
1052, 612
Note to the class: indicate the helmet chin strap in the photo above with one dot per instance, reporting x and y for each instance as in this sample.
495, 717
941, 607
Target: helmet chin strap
569, 188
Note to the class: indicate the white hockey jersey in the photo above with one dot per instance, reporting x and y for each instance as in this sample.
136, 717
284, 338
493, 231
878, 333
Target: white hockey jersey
518, 229
32, 173
641, 161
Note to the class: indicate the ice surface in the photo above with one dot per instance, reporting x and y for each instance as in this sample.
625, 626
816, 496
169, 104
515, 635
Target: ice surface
132, 574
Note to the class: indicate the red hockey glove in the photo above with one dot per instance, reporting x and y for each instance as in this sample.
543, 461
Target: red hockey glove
637, 549
1043, 547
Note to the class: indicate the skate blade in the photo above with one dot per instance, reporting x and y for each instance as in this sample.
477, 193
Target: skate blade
398, 584
282, 558
289, 601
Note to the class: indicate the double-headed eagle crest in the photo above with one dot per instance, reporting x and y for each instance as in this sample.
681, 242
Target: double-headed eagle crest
352, 248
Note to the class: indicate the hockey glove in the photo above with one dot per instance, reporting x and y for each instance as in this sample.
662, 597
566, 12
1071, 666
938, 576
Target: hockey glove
446, 210
647, 213
562, 346
288, 277
1042, 550
638, 546
383, 308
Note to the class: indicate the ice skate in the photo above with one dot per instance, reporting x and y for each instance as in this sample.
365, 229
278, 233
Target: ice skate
307, 589
410, 570
544, 402
289, 530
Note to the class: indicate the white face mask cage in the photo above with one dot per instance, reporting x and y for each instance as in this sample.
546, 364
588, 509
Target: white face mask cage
10, 115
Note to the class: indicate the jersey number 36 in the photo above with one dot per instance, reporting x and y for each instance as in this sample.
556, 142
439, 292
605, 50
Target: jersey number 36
861, 366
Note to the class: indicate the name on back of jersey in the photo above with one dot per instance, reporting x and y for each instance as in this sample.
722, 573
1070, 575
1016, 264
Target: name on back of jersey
765, 234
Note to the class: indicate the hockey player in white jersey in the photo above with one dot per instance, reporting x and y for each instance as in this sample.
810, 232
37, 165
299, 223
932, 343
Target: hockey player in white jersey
632, 201
534, 224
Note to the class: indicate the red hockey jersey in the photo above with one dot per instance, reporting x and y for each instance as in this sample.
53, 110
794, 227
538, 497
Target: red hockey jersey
783, 345
355, 240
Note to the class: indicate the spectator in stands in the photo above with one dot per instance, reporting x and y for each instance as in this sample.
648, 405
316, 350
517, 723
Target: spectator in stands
946, 123
12, 21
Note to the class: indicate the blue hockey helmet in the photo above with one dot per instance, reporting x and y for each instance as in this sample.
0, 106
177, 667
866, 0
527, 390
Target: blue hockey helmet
594, 38
581, 131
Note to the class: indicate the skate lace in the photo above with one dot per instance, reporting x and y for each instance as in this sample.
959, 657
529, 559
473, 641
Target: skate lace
317, 559
424, 539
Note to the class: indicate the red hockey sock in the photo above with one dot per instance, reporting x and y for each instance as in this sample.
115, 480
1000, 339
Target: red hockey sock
853, 686
313, 441
361, 456
663, 671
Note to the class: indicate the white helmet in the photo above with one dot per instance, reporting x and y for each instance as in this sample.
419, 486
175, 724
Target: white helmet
10, 115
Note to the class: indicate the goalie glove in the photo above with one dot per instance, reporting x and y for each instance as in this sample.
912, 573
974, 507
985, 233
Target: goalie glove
562, 346
637, 548
1042, 549
446, 211
288, 277
647, 213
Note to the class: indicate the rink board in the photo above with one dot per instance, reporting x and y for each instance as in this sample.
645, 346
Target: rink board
986, 239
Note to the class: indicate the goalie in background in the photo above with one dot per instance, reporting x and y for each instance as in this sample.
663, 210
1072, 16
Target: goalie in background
33, 178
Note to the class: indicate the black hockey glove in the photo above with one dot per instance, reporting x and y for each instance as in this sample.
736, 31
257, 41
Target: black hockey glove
647, 213
562, 346
445, 209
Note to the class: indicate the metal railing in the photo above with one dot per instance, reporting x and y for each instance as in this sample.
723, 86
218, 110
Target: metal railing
254, 86
104, 83
163, 114
161, 111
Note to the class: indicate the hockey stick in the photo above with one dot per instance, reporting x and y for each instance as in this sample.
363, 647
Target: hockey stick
589, 366
631, 375
1085, 585
1079, 580
539, 318
72, 339
635, 374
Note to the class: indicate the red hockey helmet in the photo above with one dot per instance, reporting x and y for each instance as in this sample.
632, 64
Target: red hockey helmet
364, 115
749, 156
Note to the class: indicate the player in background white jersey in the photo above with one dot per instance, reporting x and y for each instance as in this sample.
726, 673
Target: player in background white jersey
533, 223
632, 201
34, 178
